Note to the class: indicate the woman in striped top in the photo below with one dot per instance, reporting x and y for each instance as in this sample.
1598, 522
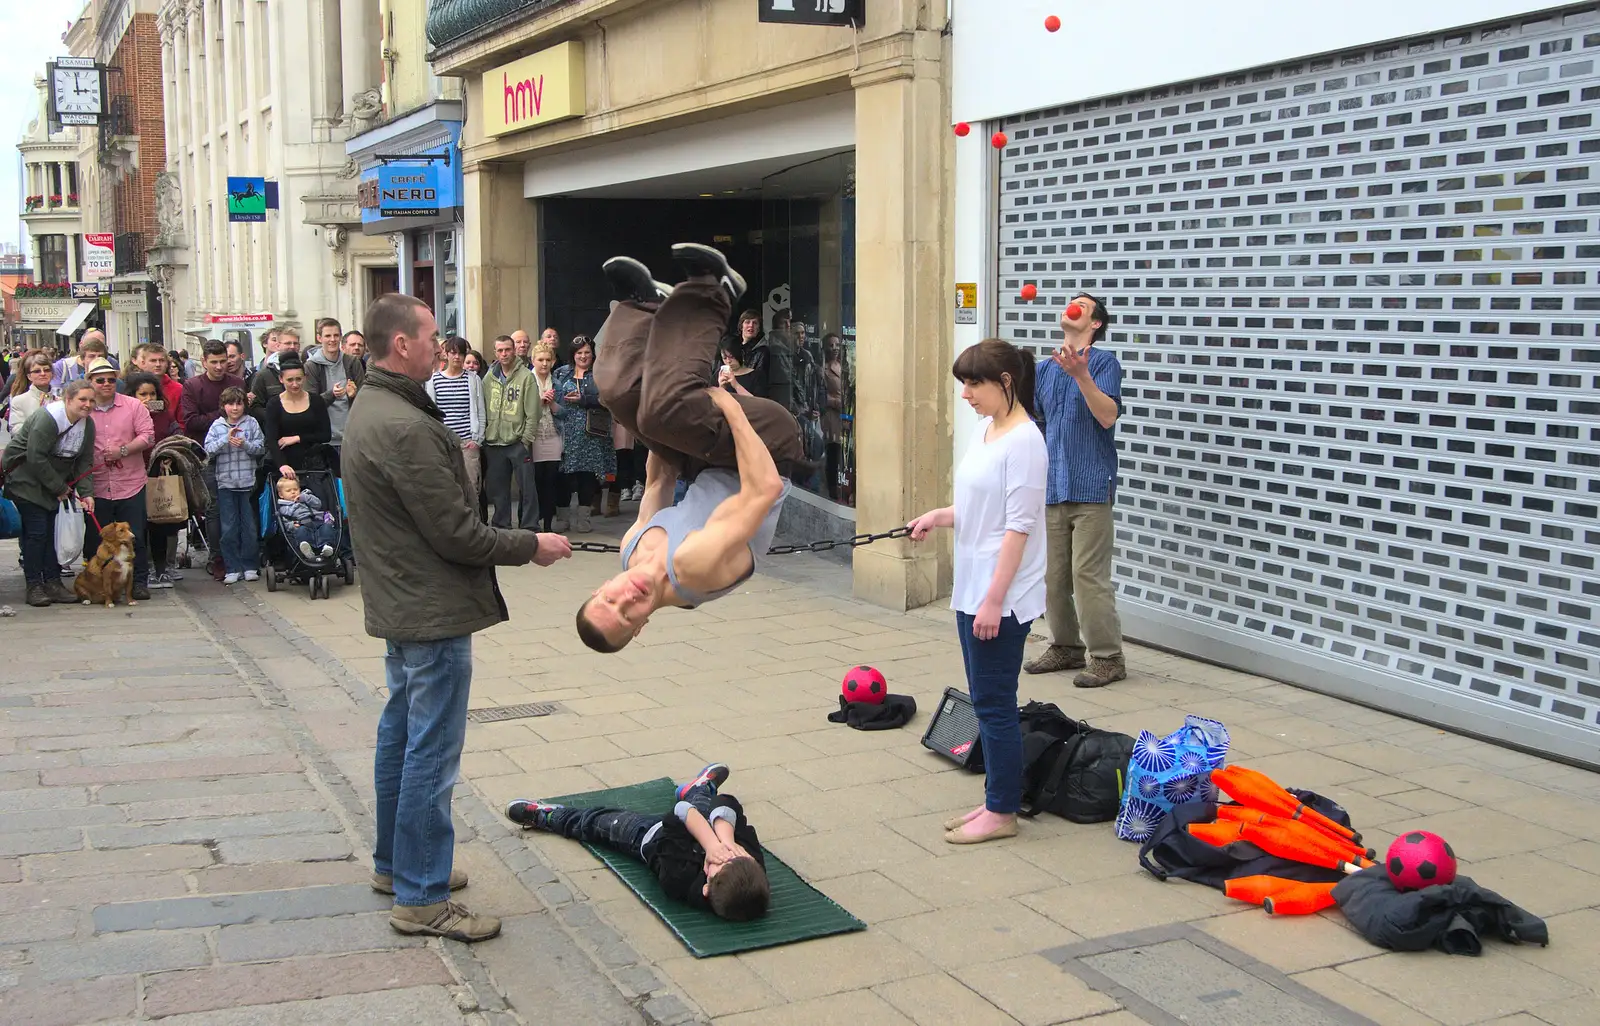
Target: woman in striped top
459, 396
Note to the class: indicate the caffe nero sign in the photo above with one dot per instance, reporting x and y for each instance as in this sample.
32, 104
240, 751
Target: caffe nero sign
813, 12
410, 190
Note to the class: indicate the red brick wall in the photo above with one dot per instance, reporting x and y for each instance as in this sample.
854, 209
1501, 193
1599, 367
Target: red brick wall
139, 57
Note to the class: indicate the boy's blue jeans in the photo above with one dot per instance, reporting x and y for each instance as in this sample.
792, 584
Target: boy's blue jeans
420, 735
992, 668
241, 546
318, 534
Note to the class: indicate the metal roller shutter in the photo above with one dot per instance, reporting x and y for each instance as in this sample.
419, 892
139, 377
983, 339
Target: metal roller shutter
1360, 332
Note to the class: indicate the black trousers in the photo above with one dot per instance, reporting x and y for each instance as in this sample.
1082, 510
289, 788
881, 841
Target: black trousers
130, 511
581, 483
547, 479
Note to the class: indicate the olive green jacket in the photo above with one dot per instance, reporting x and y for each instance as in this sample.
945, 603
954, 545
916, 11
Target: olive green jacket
511, 406
427, 561
35, 473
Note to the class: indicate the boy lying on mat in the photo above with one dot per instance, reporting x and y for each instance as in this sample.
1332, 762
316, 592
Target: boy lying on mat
704, 852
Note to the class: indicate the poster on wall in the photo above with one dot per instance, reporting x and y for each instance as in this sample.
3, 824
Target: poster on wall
247, 199
99, 255
814, 12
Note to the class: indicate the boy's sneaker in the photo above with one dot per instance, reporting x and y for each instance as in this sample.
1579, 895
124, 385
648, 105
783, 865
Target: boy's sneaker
715, 774
252, 575
307, 551
327, 551
631, 279
700, 259
232, 578
531, 813
161, 581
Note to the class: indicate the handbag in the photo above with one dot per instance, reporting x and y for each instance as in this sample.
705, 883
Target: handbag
597, 422
1164, 772
165, 500
69, 531
10, 519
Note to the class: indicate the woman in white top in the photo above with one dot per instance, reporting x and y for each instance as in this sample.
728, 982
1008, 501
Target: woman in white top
30, 388
998, 518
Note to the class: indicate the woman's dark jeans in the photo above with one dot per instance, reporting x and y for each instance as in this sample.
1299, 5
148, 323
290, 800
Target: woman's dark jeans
992, 668
38, 543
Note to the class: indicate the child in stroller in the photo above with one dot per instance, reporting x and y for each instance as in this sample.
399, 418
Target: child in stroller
303, 529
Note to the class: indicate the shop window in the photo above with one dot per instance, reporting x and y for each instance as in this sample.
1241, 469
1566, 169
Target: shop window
53, 263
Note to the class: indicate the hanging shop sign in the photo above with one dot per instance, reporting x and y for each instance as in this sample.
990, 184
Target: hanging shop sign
539, 89
967, 302
247, 199
814, 12
128, 302
86, 289
99, 255
410, 190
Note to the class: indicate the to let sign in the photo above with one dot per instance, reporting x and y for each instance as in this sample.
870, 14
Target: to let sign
99, 255
814, 12
409, 190
539, 89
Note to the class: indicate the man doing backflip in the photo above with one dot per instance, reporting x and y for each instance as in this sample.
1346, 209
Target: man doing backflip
658, 353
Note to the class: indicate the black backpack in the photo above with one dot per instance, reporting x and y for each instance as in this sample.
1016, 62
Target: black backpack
1070, 768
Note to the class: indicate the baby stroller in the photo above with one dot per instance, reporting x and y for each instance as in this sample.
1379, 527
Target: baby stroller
283, 563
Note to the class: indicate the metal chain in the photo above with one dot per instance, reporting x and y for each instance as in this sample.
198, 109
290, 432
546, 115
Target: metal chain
825, 545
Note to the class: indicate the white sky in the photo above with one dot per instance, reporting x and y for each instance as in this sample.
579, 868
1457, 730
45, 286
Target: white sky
32, 31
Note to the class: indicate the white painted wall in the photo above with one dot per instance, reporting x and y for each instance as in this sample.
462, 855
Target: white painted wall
1006, 63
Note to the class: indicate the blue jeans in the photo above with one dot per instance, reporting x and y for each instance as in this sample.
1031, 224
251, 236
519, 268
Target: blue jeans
992, 668
318, 535
38, 542
420, 735
241, 544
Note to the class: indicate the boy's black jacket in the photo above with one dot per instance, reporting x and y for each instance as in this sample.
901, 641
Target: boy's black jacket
679, 861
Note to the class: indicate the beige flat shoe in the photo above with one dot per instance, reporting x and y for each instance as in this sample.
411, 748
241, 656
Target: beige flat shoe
957, 837
956, 822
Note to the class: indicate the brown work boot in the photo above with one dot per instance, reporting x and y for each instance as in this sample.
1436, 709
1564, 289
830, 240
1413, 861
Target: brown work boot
37, 596
444, 919
1101, 672
384, 884
1056, 657
613, 503
59, 593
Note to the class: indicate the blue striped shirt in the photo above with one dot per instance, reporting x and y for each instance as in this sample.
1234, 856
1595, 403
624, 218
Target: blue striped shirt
1083, 455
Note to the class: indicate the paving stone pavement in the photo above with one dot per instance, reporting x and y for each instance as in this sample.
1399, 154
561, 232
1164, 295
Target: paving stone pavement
185, 824
963, 935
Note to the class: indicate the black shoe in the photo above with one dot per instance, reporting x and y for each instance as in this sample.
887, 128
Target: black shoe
631, 279
59, 593
37, 596
141, 593
698, 259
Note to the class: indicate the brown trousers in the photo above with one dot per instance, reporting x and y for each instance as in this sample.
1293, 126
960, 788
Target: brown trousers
1079, 596
654, 365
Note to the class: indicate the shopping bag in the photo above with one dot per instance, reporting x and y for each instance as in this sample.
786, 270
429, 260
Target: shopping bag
10, 519
69, 531
1167, 771
165, 501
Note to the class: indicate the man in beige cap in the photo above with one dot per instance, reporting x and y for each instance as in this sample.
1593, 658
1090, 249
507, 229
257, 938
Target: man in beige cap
122, 432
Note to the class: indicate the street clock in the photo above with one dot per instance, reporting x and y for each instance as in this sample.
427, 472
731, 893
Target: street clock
77, 91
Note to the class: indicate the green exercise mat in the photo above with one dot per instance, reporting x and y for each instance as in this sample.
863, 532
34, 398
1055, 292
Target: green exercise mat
798, 910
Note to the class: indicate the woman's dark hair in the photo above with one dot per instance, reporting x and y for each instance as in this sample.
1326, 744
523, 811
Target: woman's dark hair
994, 360
734, 348
1101, 314
456, 346
136, 380
582, 342
290, 361
482, 363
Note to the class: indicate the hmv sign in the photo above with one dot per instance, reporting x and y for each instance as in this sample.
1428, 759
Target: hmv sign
814, 12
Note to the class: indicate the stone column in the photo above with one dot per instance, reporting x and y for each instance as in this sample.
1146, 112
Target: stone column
359, 43
500, 257
903, 321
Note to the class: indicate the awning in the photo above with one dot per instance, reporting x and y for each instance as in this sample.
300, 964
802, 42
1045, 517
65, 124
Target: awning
79, 315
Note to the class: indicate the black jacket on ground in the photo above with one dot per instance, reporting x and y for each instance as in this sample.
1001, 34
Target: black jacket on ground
1449, 916
678, 860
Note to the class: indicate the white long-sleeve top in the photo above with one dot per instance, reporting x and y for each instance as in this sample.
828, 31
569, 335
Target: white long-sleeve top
1000, 487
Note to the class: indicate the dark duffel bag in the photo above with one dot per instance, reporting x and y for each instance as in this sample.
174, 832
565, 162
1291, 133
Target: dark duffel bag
1069, 768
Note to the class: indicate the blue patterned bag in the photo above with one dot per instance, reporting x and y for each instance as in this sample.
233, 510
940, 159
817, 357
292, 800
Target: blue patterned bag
1168, 771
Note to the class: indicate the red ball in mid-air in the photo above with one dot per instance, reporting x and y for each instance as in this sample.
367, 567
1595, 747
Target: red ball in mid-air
999, 140
1074, 311
1030, 291
1419, 859
963, 129
1052, 24
864, 684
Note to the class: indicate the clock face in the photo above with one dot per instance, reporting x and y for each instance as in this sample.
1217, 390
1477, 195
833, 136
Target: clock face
78, 91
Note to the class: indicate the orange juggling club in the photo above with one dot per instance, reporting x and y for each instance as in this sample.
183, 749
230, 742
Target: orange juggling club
1280, 896
1259, 791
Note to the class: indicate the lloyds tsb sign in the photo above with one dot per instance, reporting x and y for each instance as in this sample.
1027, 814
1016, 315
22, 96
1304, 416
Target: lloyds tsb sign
409, 190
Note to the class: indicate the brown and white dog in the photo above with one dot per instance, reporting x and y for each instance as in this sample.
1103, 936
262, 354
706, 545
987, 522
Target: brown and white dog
109, 574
